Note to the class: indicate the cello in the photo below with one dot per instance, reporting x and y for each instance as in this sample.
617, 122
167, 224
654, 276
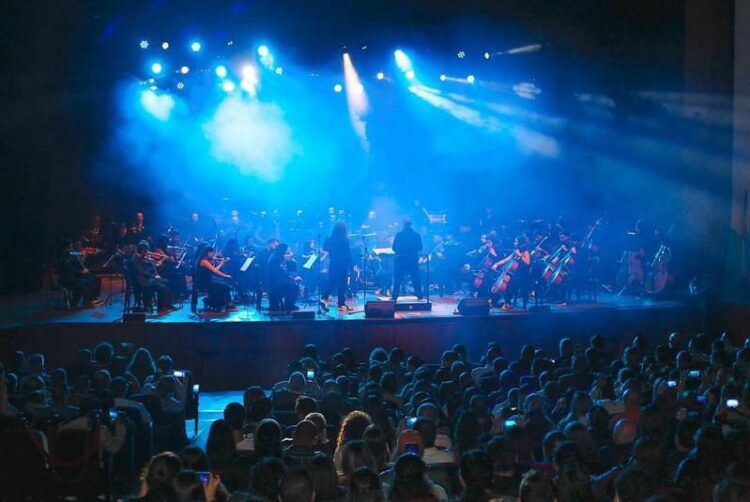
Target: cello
562, 267
485, 267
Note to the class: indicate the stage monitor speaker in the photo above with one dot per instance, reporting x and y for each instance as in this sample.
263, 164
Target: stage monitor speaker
303, 315
380, 310
134, 317
474, 307
540, 309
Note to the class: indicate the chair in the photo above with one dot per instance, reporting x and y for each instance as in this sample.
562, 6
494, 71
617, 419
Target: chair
64, 295
23, 467
76, 468
191, 399
132, 290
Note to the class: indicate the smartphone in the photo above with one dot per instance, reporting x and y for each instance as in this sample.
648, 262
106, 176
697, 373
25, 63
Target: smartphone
411, 422
179, 374
694, 374
671, 383
411, 448
113, 415
700, 399
733, 403
310, 375
196, 389
204, 476
509, 423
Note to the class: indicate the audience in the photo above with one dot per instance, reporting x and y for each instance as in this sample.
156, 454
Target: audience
587, 424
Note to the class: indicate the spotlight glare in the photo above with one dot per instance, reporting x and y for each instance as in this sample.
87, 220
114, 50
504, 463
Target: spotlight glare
165, 45
486, 55
180, 85
195, 47
227, 86
380, 75
263, 51
442, 78
410, 75
461, 54
402, 60
470, 79
360, 88
221, 71
279, 70
156, 68
184, 70
337, 88
143, 44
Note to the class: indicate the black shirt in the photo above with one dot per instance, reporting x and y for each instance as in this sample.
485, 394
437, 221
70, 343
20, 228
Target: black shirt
407, 244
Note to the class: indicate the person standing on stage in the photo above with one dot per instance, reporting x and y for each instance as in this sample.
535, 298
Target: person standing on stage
406, 245
261, 269
340, 259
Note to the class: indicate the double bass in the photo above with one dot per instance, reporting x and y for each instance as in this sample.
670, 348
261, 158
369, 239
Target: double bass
485, 268
657, 276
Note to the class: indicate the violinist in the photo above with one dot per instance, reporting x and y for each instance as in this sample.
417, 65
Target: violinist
281, 280
149, 280
77, 278
232, 267
515, 271
165, 262
209, 277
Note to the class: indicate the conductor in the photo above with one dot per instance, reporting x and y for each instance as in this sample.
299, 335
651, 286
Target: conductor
406, 245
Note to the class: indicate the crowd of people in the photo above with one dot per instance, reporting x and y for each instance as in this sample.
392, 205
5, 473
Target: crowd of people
585, 422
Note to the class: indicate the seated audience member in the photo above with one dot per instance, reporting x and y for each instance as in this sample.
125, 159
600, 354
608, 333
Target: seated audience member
157, 477
297, 487
355, 454
505, 479
352, 428
364, 486
267, 475
304, 440
325, 480
536, 487
322, 443
111, 438
410, 482
119, 389
624, 435
432, 454
476, 476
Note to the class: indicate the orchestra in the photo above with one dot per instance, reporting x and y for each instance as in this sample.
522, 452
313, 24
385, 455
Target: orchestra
509, 265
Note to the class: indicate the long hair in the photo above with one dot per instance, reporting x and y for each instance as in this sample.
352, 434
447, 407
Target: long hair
353, 427
409, 483
339, 232
203, 249
277, 257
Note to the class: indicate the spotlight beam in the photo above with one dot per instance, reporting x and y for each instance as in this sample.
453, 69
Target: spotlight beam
356, 100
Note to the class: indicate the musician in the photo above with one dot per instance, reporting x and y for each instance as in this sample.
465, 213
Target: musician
149, 280
232, 267
76, 277
340, 256
488, 256
281, 280
165, 261
137, 231
209, 277
94, 236
519, 282
197, 230
406, 245
438, 265
261, 267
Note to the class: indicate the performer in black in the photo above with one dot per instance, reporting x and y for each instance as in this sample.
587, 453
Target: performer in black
406, 245
280, 282
261, 267
149, 280
76, 277
339, 254
210, 278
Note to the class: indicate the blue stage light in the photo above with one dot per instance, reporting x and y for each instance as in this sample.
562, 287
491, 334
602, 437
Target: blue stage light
402, 60
461, 54
486, 55
443, 77
156, 68
279, 70
184, 70
180, 85
227, 86
410, 75
143, 44
380, 75
263, 51
195, 46
165, 45
338, 88
221, 71
470, 79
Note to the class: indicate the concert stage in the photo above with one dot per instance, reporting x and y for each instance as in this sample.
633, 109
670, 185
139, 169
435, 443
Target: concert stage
233, 350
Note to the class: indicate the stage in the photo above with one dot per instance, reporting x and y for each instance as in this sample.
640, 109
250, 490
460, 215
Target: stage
244, 346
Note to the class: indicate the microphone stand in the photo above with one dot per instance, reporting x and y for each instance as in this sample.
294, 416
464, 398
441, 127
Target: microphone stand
319, 264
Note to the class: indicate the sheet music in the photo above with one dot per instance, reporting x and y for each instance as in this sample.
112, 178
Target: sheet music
248, 261
310, 262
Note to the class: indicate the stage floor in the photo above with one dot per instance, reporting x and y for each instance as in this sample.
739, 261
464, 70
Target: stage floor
45, 308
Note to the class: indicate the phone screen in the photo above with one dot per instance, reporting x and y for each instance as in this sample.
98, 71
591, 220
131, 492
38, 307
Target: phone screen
411, 422
179, 374
733, 403
112, 414
412, 448
509, 423
694, 374
310, 375
204, 476
672, 383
